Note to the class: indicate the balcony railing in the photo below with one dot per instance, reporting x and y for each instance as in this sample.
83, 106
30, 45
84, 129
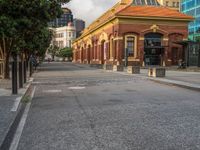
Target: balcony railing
1, 68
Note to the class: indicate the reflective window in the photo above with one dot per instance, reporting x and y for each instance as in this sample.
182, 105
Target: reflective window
130, 46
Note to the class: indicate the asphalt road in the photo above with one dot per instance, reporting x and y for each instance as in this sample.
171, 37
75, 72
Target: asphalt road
79, 108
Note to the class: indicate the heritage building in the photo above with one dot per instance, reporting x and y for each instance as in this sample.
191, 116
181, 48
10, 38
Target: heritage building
138, 31
64, 36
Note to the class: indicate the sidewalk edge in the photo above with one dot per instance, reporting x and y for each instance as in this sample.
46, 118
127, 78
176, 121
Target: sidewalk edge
14, 124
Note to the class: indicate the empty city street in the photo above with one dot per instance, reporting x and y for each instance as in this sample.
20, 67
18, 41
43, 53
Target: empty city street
76, 107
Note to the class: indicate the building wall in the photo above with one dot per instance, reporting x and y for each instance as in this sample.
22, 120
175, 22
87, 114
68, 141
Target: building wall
64, 36
173, 4
192, 7
108, 43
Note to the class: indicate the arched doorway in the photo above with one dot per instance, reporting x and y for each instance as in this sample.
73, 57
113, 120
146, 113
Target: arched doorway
82, 55
103, 51
89, 53
153, 49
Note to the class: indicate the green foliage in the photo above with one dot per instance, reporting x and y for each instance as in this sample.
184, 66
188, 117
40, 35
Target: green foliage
24, 26
21, 20
198, 38
53, 50
65, 52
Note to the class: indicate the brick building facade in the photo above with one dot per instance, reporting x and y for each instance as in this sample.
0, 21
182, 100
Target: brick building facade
140, 33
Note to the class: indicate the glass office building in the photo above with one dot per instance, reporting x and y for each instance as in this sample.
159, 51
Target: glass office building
192, 7
65, 18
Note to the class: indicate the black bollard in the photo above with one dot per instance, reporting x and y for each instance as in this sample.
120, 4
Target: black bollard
31, 69
14, 76
20, 74
24, 71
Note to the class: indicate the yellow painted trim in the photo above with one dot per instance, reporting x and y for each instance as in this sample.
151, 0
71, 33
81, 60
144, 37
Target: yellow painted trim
141, 38
156, 18
165, 39
118, 38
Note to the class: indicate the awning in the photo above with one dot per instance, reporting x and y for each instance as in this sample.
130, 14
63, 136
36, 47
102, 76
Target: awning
186, 42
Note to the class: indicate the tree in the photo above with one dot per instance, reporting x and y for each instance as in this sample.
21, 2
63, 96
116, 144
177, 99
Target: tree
53, 51
198, 38
65, 53
21, 20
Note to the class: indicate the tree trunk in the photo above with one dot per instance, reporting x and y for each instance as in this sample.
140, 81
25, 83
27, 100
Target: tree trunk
6, 67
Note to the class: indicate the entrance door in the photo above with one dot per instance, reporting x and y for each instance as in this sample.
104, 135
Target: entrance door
153, 49
175, 57
153, 56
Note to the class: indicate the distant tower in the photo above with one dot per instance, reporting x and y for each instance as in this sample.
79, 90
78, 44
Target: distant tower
79, 25
66, 17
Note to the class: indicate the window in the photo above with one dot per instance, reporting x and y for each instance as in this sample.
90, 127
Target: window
177, 4
111, 48
174, 4
167, 3
130, 45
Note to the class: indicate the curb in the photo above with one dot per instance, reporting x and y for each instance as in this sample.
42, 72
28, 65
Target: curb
181, 84
171, 82
5, 145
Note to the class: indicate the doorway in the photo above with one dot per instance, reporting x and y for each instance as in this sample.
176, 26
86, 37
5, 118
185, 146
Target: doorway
175, 57
153, 50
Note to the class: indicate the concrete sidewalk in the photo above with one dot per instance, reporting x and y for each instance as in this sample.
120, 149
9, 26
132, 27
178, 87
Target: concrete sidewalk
189, 80
9, 106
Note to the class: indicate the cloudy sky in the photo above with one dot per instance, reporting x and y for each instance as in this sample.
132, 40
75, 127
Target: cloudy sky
89, 10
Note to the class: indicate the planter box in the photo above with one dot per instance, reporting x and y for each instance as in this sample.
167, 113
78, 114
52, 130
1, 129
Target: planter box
108, 67
133, 69
118, 68
157, 72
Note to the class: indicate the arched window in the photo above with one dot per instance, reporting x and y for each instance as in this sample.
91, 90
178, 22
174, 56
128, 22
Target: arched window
111, 48
131, 45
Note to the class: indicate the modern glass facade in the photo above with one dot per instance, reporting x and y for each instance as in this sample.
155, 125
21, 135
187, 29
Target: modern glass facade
66, 17
192, 7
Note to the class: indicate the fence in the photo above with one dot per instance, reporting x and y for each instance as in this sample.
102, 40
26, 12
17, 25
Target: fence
1, 68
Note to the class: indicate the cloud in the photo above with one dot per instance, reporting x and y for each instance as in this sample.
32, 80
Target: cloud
89, 10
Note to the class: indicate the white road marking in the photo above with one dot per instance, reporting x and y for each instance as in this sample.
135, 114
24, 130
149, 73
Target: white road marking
16, 104
52, 91
76, 88
17, 136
